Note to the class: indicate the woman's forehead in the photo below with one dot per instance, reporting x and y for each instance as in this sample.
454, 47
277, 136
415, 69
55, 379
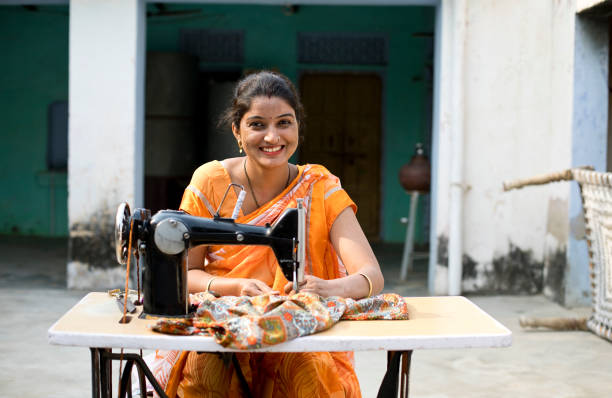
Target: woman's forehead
269, 107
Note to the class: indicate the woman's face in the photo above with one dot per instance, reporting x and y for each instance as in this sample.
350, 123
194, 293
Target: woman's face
268, 132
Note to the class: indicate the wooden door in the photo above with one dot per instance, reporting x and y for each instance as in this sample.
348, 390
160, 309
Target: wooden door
343, 133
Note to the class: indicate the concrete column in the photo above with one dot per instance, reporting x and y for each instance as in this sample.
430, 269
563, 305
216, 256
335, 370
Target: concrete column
106, 105
441, 148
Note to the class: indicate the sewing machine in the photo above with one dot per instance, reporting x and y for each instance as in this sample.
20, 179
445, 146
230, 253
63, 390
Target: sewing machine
163, 241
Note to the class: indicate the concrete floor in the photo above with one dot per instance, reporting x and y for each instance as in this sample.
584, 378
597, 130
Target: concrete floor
539, 363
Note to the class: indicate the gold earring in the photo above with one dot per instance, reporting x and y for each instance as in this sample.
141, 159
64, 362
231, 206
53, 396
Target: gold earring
240, 146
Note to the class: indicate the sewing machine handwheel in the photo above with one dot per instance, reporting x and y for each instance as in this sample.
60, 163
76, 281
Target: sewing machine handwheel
122, 232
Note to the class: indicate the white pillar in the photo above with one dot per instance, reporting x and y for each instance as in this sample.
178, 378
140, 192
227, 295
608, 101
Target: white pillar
455, 235
444, 154
106, 114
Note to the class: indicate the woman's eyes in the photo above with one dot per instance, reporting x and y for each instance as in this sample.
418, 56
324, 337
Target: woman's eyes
256, 125
261, 125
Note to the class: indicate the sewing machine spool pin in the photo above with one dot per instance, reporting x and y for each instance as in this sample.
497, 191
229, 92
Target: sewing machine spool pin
299, 264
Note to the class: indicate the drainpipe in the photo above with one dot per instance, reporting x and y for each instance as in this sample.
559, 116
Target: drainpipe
455, 237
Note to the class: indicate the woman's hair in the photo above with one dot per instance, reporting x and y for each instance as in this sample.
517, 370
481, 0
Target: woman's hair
261, 84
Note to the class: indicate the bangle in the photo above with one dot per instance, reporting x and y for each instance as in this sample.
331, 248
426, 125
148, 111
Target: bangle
369, 284
209, 282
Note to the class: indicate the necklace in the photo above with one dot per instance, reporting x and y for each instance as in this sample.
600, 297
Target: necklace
251, 185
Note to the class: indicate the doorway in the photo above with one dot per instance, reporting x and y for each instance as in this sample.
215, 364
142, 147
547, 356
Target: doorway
343, 133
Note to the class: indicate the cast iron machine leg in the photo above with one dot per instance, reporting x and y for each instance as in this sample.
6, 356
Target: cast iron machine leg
101, 374
95, 373
397, 376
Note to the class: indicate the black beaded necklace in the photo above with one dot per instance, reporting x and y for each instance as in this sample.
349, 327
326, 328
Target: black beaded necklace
251, 185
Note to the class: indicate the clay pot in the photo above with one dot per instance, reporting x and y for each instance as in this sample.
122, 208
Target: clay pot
416, 174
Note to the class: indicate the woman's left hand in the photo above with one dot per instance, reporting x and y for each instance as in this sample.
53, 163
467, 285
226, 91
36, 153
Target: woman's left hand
312, 284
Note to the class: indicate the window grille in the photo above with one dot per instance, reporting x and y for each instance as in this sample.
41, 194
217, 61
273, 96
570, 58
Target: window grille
342, 48
215, 46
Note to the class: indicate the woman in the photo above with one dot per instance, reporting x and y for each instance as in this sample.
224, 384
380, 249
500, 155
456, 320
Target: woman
265, 117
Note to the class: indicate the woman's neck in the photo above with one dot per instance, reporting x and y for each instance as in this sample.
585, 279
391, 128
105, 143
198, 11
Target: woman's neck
265, 183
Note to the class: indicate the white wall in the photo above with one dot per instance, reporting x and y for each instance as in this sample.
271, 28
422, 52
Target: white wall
105, 162
517, 103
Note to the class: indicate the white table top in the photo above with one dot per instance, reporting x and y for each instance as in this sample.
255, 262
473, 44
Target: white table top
435, 322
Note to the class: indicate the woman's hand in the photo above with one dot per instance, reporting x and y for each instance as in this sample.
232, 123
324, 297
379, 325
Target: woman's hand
312, 284
253, 287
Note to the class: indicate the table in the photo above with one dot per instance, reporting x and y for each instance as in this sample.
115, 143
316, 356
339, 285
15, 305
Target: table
435, 322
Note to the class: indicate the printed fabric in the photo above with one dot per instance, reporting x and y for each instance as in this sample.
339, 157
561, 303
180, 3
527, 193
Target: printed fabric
255, 322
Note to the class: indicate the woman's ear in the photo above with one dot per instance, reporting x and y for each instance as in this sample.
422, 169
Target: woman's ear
236, 133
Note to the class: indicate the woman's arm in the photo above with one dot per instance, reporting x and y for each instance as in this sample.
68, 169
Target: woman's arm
353, 248
198, 279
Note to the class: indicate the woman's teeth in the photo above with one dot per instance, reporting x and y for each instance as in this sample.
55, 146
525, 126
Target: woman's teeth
271, 148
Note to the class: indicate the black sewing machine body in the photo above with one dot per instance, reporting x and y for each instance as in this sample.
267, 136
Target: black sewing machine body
162, 242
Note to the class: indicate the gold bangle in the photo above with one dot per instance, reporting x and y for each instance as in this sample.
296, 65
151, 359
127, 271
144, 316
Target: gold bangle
369, 283
209, 282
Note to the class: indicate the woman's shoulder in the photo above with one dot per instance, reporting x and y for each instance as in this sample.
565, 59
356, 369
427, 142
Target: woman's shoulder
208, 168
313, 168
207, 174
321, 173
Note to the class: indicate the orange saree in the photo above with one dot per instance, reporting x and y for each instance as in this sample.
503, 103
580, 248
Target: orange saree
269, 375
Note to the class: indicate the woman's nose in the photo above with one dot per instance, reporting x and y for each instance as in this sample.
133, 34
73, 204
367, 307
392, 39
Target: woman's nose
271, 136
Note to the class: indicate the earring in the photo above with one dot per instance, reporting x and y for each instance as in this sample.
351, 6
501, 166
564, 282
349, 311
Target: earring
240, 146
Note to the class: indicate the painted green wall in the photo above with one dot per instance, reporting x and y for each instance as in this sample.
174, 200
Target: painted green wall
271, 42
33, 74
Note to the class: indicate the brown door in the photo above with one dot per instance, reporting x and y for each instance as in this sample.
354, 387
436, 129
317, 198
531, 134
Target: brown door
343, 130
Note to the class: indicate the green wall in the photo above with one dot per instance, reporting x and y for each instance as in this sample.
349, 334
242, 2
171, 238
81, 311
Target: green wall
271, 42
33, 74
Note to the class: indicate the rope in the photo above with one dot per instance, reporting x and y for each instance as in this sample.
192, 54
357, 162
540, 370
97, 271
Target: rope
541, 179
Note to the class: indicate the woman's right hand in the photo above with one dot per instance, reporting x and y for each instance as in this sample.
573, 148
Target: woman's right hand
254, 287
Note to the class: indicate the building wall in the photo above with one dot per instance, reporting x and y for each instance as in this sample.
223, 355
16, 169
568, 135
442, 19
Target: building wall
33, 74
271, 42
517, 102
41, 50
589, 143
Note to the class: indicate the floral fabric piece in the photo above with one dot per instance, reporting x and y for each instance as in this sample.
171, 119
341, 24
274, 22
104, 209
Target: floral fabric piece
254, 322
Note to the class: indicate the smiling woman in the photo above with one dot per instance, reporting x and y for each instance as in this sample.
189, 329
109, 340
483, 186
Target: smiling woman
266, 117
268, 134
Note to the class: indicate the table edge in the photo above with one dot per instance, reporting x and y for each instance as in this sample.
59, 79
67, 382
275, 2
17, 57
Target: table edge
300, 344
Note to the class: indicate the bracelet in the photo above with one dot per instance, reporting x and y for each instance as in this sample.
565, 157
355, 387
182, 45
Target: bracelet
369, 283
209, 282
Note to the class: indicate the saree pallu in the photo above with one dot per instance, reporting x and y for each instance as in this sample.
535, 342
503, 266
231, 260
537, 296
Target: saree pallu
269, 375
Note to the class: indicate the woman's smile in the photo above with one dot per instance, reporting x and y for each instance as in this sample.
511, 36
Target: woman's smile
272, 150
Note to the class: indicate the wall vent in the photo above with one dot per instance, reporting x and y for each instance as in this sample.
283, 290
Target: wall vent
212, 45
342, 48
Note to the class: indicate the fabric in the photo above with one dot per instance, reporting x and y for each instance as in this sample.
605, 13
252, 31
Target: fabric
257, 322
271, 375
205, 375
266, 320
